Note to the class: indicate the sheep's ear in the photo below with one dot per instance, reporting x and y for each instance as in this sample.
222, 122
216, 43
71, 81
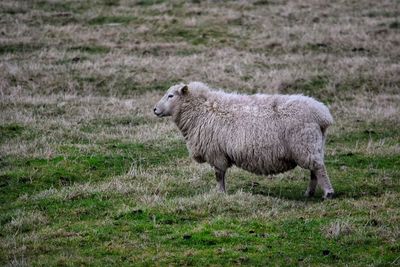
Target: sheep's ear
184, 90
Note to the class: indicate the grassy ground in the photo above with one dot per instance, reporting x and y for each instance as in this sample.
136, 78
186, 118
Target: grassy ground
88, 176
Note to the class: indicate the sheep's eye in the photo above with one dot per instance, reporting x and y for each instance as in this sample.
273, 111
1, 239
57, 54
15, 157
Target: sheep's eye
170, 96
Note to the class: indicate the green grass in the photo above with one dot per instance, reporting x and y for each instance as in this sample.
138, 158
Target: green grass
96, 124
90, 49
29, 175
60, 6
111, 19
210, 231
148, 2
9, 131
130, 86
394, 25
315, 87
202, 35
19, 48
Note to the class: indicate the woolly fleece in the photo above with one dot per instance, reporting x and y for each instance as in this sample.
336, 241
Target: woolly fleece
263, 134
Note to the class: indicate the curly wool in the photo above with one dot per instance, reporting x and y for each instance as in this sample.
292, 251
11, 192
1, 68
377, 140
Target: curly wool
263, 134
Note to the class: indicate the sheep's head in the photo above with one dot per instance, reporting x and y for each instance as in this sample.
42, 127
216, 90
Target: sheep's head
169, 103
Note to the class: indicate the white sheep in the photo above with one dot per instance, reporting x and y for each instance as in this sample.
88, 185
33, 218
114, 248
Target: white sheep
263, 134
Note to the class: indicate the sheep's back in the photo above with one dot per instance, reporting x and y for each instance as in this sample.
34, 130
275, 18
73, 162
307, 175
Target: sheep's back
254, 133
250, 131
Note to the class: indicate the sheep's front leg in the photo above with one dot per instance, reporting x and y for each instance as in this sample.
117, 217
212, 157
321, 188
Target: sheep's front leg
312, 185
220, 176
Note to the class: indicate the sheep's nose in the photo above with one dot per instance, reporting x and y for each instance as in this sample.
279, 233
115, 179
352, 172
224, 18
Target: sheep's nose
155, 109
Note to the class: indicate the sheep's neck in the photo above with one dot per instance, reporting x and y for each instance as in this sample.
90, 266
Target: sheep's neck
187, 118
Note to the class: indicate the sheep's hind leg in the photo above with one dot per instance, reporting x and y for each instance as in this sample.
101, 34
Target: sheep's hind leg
307, 147
220, 176
324, 182
312, 185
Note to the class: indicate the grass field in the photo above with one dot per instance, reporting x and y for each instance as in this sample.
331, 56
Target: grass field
89, 176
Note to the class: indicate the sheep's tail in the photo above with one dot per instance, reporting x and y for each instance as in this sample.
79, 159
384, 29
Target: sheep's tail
319, 113
325, 120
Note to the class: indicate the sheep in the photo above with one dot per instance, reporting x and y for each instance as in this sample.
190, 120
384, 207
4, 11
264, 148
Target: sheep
263, 134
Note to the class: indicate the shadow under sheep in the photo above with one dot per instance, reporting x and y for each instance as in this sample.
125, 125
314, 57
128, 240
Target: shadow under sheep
296, 191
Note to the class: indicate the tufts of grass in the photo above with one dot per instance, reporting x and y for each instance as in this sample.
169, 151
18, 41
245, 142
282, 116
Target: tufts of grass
61, 6
363, 162
59, 19
16, 48
129, 86
148, 2
394, 25
262, 2
23, 221
360, 83
101, 20
90, 49
14, 10
315, 86
338, 229
111, 2
9, 131
32, 174
382, 13
318, 47
365, 135
196, 36
97, 124
72, 60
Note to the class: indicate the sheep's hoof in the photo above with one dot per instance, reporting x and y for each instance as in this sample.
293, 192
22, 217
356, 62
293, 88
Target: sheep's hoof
329, 195
309, 194
220, 190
